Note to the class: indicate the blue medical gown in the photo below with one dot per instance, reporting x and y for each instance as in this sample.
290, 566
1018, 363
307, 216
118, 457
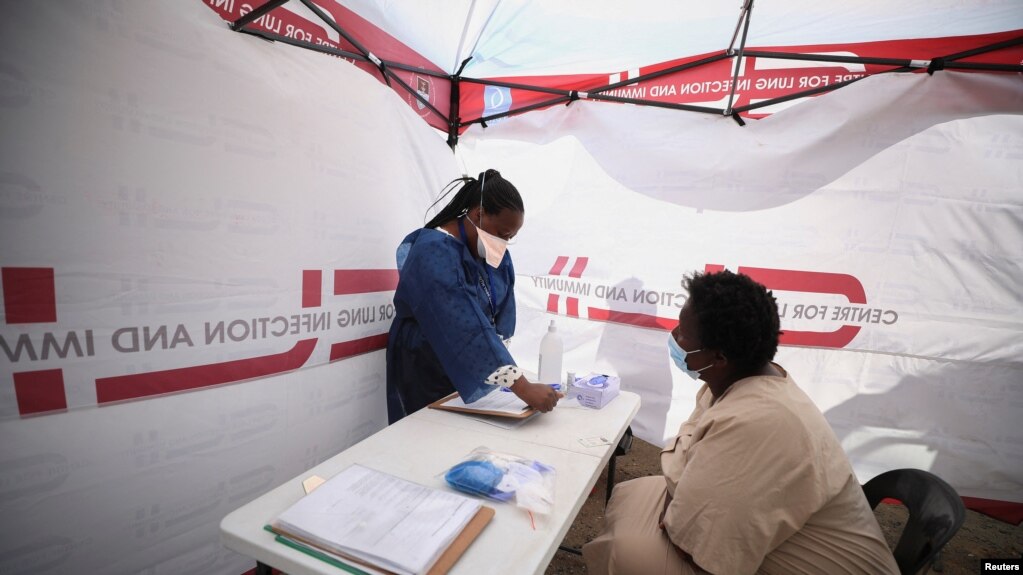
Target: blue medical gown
442, 339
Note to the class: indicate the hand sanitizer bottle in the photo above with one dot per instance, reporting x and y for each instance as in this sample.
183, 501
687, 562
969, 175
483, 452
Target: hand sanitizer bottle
551, 350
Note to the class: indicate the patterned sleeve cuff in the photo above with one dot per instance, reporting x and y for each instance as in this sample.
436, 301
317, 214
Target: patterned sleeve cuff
504, 376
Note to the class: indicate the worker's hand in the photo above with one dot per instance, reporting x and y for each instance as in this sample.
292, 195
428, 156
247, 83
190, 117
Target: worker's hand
539, 396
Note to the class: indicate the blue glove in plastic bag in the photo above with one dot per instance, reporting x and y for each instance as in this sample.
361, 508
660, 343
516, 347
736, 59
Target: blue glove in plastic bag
478, 478
505, 477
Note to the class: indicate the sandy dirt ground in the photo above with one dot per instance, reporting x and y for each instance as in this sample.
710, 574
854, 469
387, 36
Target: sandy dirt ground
980, 536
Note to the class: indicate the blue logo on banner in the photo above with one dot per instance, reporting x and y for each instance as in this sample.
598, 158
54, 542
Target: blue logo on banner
496, 100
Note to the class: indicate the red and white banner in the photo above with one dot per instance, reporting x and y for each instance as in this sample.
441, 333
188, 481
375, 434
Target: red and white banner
718, 85
296, 22
885, 217
196, 270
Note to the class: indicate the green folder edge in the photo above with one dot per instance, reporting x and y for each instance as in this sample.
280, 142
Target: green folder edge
314, 552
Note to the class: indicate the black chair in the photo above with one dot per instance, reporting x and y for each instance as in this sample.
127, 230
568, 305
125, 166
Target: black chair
935, 514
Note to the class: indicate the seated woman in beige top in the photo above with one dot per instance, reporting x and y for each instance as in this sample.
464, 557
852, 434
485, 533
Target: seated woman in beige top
755, 481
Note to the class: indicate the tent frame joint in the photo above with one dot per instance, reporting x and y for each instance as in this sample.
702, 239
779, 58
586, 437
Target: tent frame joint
454, 118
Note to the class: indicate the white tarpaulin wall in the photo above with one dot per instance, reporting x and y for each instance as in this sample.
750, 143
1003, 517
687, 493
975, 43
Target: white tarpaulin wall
158, 170
184, 207
886, 216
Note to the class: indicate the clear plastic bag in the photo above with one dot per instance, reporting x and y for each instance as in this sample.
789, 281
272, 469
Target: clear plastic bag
505, 477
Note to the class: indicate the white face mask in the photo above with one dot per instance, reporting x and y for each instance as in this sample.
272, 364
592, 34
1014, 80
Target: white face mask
489, 246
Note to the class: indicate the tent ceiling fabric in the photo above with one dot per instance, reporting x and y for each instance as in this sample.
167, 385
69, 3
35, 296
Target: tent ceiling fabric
689, 160
475, 61
524, 38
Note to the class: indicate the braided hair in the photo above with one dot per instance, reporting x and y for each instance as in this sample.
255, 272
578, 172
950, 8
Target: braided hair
498, 194
735, 315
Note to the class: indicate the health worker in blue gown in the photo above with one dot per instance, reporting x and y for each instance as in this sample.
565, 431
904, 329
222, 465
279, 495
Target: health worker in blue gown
455, 303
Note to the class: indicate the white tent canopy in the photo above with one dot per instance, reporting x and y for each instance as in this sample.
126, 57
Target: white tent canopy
529, 38
199, 227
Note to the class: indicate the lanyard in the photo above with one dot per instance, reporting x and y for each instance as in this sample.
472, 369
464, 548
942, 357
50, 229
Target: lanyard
490, 274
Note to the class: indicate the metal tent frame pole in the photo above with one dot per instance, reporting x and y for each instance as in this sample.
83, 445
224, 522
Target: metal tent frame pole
744, 18
601, 93
363, 54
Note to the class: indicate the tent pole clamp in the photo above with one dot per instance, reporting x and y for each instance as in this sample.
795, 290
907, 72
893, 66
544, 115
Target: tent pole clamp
574, 95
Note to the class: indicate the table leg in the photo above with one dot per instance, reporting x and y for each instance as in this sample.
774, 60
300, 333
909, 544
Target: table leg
623, 447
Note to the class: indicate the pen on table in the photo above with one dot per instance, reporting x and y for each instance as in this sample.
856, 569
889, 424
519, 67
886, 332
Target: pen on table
554, 386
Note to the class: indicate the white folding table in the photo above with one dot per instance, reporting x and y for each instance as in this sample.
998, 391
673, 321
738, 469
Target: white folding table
422, 446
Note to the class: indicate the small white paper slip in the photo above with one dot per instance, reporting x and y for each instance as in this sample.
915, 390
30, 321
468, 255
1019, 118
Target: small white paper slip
593, 441
312, 482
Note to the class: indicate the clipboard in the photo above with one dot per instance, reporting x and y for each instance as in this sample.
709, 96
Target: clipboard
443, 564
439, 404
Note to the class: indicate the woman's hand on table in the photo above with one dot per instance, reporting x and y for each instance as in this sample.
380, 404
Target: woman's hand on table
539, 396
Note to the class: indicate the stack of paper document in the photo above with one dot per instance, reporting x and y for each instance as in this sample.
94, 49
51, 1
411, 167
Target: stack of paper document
496, 401
378, 519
